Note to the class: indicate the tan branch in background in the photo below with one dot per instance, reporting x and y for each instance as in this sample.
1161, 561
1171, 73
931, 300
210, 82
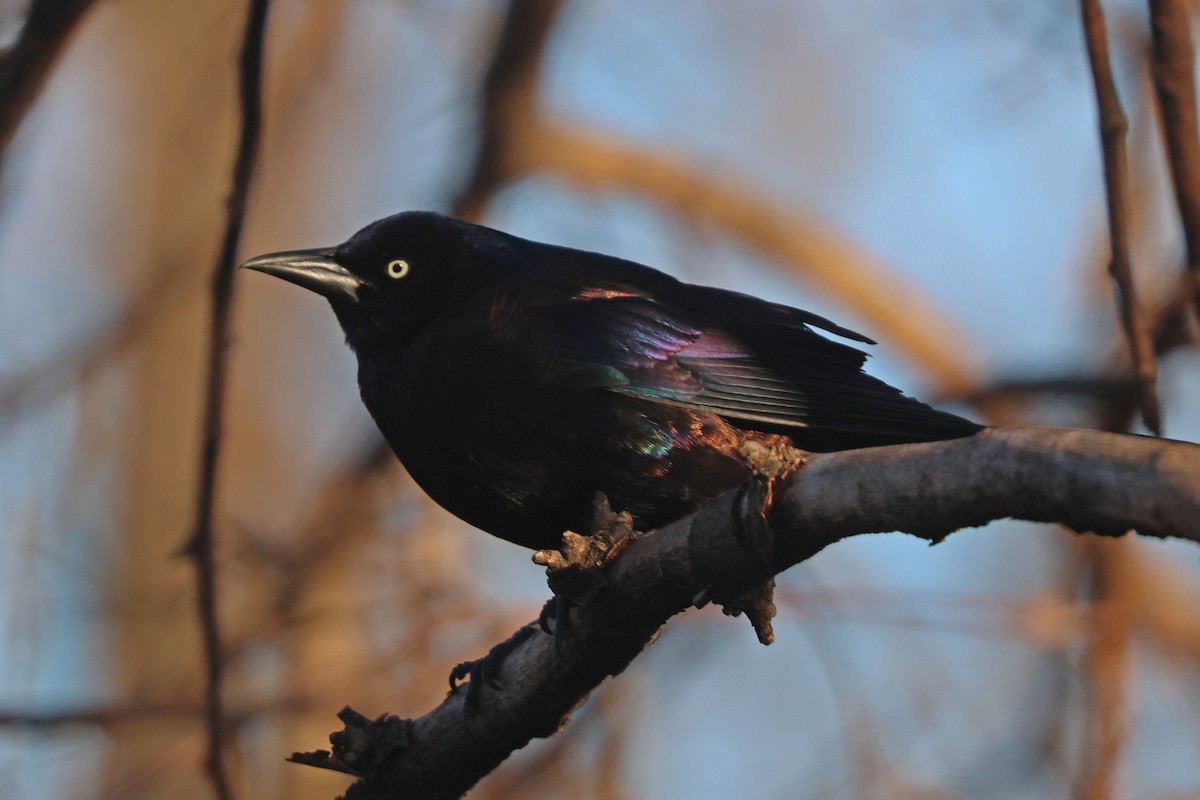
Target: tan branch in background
1113, 127
910, 322
26, 64
1106, 670
507, 99
1175, 80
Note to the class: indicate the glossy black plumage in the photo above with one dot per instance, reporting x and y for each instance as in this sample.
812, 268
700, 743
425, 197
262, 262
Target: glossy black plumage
516, 379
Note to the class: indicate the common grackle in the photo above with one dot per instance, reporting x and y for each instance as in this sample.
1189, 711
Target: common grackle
516, 379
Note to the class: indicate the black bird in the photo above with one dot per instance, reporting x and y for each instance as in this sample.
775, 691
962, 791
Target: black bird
516, 379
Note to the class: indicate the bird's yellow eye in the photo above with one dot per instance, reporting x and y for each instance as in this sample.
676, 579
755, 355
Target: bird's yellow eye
397, 268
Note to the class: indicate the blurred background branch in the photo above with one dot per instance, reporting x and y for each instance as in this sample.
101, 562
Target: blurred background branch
925, 172
201, 545
1175, 80
1113, 129
26, 63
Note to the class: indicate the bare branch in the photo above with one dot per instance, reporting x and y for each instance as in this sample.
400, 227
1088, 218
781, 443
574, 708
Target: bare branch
103, 716
1113, 390
201, 546
508, 98
1113, 127
25, 66
1091, 481
1110, 627
141, 710
1175, 80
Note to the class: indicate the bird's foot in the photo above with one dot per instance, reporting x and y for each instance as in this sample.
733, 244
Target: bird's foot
486, 671
772, 459
558, 609
575, 571
362, 746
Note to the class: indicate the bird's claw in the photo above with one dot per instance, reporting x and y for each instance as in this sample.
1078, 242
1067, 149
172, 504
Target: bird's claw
557, 608
771, 460
575, 571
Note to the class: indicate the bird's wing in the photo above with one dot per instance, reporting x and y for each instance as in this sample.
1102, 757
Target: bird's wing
755, 363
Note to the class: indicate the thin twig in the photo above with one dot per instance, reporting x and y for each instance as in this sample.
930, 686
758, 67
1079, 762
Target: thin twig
25, 65
1113, 127
1113, 390
1175, 80
201, 546
142, 710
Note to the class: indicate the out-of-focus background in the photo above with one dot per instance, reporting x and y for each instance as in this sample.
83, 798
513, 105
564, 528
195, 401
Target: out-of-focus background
925, 171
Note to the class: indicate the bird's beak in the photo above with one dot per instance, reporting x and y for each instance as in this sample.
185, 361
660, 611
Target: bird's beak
316, 270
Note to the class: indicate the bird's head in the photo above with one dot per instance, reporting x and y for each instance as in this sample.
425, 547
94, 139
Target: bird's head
390, 279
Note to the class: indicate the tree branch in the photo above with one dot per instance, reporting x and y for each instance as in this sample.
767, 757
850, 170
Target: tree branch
26, 65
201, 546
1113, 127
1088, 480
1175, 80
507, 98
137, 710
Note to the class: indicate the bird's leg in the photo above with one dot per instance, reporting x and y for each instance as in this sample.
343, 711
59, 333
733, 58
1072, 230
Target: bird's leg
771, 459
575, 571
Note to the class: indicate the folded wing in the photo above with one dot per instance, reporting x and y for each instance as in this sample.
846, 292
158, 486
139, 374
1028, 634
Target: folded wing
757, 364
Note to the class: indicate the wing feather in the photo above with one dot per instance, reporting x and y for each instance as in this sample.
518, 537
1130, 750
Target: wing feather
758, 364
